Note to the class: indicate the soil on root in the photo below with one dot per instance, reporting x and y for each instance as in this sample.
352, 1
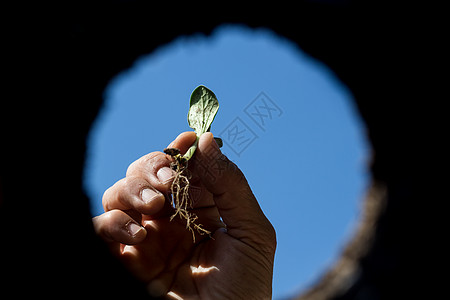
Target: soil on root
181, 201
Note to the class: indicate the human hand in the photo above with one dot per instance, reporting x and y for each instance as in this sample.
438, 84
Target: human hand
236, 262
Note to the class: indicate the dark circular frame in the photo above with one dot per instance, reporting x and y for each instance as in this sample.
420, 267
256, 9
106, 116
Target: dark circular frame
75, 54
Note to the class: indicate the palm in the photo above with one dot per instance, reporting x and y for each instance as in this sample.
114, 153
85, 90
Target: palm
169, 261
168, 256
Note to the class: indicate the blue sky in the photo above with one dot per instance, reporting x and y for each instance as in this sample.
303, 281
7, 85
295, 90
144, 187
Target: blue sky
300, 142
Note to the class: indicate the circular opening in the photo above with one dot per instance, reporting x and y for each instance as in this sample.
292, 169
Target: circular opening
285, 120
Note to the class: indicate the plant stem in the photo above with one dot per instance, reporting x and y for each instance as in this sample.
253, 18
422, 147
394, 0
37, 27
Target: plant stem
190, 152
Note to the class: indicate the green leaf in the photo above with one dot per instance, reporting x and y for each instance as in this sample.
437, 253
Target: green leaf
203, 108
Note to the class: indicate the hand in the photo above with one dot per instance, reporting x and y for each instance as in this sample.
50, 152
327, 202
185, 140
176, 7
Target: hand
235, 262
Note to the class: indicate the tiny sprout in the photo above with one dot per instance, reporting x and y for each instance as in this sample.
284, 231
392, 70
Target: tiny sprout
202, 111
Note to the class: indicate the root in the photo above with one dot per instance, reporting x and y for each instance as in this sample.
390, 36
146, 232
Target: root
181, 201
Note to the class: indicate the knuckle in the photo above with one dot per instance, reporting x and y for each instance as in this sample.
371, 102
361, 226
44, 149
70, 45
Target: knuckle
102, 223
113, 193
105, 225
124, 184
144, 163
106, 198
133, 184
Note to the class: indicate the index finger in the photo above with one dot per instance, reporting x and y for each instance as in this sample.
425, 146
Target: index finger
155, 167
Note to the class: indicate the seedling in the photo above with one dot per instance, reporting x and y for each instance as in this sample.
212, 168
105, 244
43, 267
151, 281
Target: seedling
203, 108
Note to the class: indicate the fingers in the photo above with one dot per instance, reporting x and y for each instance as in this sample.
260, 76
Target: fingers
134, 193
147, 180
183, 141
117, 226
141, 191
232, 195
155, 167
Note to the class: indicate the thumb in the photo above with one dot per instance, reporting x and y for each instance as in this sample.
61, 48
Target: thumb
232, 195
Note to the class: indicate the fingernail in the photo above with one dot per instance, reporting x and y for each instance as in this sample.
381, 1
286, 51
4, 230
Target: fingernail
148, 195
133, 228
165, 174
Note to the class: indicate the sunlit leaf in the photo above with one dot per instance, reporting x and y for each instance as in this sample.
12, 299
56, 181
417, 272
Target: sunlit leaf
203, 108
